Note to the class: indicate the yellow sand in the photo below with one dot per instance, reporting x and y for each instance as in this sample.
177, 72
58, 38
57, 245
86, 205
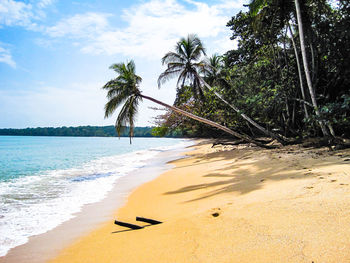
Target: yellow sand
286, 205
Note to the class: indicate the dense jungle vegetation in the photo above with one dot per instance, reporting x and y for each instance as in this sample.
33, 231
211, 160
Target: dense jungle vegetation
288, 78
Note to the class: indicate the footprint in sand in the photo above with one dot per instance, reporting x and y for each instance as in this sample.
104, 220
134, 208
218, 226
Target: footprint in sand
216, 214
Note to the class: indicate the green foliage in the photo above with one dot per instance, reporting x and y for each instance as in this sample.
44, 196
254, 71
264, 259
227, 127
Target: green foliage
160, 131
261, 76
338, 112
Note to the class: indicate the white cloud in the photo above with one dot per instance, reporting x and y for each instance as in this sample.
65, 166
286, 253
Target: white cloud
223, 44
44, 3
6, 57
15, 13
153, 27
80, 26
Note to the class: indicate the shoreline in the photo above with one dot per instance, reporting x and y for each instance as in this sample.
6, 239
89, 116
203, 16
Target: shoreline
43, 247
233, 204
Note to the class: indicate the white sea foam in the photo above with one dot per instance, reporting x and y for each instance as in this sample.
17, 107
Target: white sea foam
35, 204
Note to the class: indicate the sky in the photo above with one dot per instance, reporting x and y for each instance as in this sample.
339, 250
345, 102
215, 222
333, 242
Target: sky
55, 54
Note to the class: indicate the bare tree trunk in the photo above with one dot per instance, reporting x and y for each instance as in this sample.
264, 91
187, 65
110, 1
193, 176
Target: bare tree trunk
285, 51
299, 71
331, 130
288, 118
206, 121
252, 122
293, 115
306, 68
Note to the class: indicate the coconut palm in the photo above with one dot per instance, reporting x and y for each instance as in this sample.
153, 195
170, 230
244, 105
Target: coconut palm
185, 64
124, 91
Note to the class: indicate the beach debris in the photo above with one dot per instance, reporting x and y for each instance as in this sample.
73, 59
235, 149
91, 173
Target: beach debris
132, 226
215, 214
226, 142
147, 220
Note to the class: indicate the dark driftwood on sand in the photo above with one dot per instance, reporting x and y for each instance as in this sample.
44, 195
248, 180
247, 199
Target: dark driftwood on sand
147, 220
132, 226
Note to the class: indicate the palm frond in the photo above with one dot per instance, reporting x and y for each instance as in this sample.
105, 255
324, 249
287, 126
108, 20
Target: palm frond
173, 57
181, 79
122, 119
127, 115
113, 104
167, 75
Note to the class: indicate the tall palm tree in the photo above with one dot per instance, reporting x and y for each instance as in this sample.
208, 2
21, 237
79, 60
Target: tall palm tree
125, 89
185, 64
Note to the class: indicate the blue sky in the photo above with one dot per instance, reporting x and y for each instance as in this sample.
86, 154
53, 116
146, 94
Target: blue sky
55, 55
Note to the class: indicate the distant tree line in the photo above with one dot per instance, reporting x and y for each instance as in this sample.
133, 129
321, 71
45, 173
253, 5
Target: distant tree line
84, 131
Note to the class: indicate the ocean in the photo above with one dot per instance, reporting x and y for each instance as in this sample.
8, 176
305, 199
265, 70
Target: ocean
44, 181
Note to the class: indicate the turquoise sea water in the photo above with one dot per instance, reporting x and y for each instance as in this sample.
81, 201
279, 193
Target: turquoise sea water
45, 180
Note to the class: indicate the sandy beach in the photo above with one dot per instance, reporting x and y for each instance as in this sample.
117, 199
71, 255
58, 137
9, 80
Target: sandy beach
233, 204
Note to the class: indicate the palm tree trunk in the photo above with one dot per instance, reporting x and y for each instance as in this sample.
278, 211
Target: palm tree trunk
306, 68
299, 71
206, 121
252, 122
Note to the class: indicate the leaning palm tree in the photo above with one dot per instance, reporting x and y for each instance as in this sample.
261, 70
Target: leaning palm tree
124, 91
185, 64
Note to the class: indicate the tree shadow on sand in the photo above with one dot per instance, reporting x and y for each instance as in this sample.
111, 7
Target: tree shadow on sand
236, 179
